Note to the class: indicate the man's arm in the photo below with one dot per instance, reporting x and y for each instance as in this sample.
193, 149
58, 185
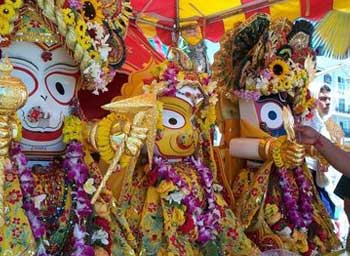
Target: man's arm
336, 156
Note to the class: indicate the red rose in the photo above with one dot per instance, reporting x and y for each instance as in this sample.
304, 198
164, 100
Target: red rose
188, 225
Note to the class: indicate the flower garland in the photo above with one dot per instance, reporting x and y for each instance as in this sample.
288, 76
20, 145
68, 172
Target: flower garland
207, 220
92, 30
169, 78
299, 212
26, 179
77, 175
8, 12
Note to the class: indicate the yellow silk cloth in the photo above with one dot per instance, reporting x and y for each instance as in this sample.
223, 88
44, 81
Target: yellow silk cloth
250, 188
16, 236
147, 224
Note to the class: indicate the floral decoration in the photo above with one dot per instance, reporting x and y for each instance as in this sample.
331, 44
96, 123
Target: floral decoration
81, 187
206, 220
299, 212
262, 57
169, 78
8, 13
88, 29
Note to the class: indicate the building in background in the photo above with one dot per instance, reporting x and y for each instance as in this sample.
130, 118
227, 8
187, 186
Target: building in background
336, 74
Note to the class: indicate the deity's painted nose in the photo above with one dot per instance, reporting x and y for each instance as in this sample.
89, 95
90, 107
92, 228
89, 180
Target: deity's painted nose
184, 140
36, 113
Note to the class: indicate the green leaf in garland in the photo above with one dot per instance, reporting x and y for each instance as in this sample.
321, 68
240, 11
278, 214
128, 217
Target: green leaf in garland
212, 248
60, 236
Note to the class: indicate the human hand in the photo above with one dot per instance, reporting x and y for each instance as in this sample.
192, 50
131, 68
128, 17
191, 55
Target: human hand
323, 167
306, 135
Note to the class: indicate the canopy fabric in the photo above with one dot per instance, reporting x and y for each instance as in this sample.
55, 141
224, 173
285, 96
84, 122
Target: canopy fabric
139, 52
197, 19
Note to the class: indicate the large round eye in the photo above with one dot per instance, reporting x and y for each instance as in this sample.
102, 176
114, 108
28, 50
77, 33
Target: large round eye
27, 78
61, 86
271, 114
172, 119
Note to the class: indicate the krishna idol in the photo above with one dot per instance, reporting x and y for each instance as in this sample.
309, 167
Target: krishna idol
263, 70
56, 48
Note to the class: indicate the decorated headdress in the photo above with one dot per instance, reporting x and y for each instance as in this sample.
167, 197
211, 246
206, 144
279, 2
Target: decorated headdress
91, 30
171, 77
263, 57
177, 78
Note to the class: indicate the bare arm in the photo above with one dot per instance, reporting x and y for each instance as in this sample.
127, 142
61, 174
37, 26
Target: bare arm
337, 157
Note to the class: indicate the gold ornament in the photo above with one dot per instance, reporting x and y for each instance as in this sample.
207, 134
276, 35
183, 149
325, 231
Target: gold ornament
288, 123
13, 95
146, 102
129, 137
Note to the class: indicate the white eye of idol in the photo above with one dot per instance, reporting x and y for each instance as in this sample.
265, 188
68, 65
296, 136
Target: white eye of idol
172, 119
271, 114
61, 86
27, 77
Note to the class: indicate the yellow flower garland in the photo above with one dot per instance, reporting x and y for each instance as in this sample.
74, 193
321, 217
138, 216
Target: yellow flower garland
8, 13
103, 135
72, 129
276, 152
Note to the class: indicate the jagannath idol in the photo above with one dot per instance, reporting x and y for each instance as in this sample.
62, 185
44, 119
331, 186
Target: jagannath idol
263, 70
56, 48
171, 204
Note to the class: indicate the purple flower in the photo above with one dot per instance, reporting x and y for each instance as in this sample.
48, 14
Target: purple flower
79, 244
205, 214
299, 212
170, 75
204, 236
77, 173
75, 4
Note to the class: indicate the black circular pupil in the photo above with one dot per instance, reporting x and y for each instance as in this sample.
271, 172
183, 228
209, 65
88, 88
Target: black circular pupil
272, 115
277, 69
6, 11
89, 10
60, 88
172, 121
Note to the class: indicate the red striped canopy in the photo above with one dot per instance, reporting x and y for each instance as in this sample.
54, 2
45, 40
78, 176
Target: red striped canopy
166, 19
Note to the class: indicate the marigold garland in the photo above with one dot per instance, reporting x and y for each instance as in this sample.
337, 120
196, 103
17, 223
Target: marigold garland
103, 135
85, 27
72, 129
8, 12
